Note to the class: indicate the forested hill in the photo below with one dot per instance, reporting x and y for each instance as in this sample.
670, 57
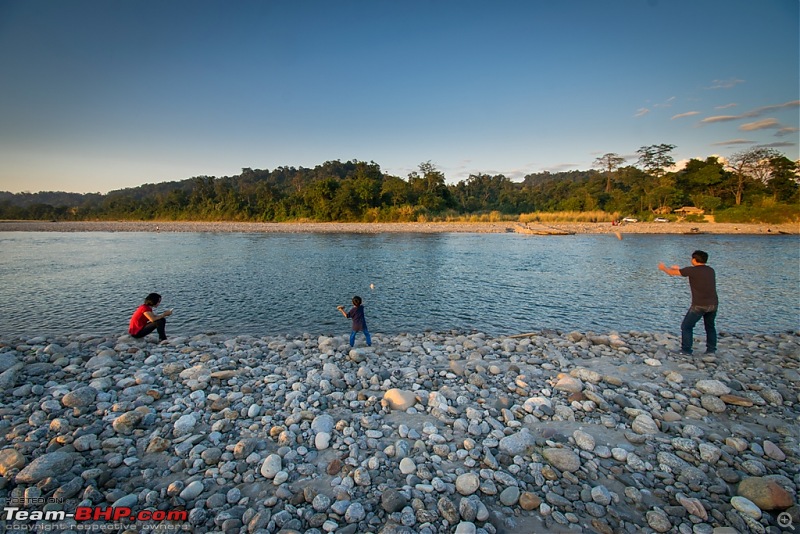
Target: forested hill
360, 191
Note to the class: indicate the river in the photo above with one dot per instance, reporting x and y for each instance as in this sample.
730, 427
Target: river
267, 284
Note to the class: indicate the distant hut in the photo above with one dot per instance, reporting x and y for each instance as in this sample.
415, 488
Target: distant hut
689, 210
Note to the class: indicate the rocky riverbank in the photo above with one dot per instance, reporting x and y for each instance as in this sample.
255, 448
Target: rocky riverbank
418, 227
428, 433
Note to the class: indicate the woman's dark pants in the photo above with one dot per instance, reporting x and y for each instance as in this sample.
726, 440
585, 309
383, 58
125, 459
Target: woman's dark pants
159, 325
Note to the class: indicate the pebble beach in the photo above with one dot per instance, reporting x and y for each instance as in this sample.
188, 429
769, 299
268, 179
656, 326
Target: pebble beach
425, 433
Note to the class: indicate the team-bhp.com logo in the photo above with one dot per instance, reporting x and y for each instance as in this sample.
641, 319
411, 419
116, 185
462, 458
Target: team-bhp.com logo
98, 513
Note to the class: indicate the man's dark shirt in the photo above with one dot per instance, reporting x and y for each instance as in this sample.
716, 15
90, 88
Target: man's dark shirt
703, 283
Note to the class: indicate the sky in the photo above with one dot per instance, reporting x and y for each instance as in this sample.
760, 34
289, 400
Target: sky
100, 95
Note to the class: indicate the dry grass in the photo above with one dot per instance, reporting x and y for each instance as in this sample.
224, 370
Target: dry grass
569, 216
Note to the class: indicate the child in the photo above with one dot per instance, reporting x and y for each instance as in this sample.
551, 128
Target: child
356, 313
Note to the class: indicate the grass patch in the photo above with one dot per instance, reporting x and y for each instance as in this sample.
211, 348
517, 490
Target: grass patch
769, 213
569, 216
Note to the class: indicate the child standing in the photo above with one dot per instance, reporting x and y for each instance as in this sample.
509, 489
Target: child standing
356, 313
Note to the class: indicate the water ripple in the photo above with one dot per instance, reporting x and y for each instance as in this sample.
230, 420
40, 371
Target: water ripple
499, 283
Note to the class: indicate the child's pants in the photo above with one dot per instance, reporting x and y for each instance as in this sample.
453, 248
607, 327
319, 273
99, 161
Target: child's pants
366, 335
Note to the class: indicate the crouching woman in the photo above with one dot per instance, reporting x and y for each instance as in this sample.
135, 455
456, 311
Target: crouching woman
144, 320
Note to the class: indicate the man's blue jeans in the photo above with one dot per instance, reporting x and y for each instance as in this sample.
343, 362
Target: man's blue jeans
366, 335
708, 314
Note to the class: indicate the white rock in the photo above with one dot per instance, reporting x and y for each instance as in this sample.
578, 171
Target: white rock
712, 387
407, 466
184, 425
271, 466
467, 484
322, 441
746, 507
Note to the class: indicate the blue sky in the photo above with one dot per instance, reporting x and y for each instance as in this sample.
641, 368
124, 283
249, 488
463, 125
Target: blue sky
100, 95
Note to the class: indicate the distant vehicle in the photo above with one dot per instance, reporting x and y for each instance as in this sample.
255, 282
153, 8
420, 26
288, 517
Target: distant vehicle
630, 219
660, 219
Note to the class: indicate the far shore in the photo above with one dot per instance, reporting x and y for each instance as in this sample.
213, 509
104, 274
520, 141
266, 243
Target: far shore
409, 227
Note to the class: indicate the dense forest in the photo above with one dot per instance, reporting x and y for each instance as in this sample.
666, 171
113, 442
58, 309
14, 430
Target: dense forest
755, 185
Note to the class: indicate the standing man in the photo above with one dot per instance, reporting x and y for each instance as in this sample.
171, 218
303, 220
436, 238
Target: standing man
703, 283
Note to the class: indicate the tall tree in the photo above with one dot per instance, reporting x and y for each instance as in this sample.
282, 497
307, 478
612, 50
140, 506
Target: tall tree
609, 163
784, 179
751, 165
656, 159
430, 188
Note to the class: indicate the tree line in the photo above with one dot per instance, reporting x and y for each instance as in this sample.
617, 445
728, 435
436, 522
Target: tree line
359, 191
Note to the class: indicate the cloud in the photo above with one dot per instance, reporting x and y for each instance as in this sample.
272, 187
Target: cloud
781, 144
667, 103
679, 165
563, 167
786, 131
760, 125
720, 118
641, 112
765, 109
687, 114
466, 168
752, 114
725, 84
733, 142
726, 106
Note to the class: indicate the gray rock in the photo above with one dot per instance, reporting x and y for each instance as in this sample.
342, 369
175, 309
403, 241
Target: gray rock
52, 464
562, 459
79, 398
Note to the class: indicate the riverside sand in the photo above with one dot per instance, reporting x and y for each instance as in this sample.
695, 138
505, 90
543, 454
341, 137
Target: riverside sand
419, 227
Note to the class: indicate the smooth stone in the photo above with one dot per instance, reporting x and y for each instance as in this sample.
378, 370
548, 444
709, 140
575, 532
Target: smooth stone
510, 496
407, 466
712, 387
562, 459
398, 399
746, 506
658, 521
52, 464
10, 459
271, 466
467, 483
765, 493
644, 424
192, 491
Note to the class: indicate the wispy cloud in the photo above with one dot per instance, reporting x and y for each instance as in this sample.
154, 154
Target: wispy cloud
641, 112
687, 114
720, 118
781, 144
786, 131
563, 167
462, 170
760, 125
726, 106
725, 84
667, 103
766, 109
752, 113
733, 142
